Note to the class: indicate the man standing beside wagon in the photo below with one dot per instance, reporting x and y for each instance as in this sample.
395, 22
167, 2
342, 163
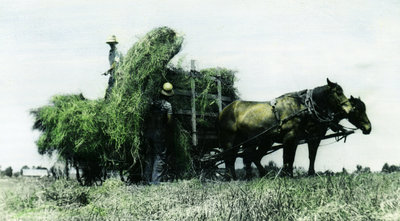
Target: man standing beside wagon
158, 128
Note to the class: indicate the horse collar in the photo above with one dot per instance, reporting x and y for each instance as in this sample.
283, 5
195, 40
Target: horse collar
312, 110
309, 101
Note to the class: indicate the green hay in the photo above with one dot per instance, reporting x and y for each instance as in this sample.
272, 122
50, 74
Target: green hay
205, 84
72, 126
70, 121
138, 80
180, 160
109, 133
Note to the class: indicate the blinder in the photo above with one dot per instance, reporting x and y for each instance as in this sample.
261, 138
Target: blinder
343, 103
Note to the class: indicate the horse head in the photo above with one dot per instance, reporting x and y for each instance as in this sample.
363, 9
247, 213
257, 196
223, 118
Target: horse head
336, 98
358, 116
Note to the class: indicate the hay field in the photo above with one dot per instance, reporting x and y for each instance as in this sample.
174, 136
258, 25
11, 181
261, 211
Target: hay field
365, 196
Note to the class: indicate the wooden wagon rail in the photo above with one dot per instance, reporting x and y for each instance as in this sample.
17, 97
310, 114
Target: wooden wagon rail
209, 96
190, 112
193, 95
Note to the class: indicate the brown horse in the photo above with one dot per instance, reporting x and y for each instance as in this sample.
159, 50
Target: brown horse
357, 117
285, 120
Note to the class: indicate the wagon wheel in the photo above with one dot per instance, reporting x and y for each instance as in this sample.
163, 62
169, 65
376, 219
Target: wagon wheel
210, 163
211, 171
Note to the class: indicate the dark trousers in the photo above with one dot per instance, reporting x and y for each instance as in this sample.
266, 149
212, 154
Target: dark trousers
155, 161
111, 82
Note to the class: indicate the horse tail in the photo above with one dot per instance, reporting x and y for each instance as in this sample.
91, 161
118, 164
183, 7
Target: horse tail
222, 124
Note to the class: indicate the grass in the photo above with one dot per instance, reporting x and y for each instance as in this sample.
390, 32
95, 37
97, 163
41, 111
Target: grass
367, 196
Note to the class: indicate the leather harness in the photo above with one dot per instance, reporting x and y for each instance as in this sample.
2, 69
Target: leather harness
306, 96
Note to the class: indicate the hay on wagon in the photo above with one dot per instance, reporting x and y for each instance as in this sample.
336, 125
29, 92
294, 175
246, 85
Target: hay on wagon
100, 135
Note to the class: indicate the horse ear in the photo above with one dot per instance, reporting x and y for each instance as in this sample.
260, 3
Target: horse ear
329, 82
351, 97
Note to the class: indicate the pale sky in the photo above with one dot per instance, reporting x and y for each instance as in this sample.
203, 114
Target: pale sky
58, 47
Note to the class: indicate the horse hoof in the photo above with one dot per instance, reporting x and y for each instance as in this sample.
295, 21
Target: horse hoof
311, 174
248, 178
262, 175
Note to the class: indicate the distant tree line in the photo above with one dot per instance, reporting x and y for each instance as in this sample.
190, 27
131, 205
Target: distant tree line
274, 170
7, 172
390, 169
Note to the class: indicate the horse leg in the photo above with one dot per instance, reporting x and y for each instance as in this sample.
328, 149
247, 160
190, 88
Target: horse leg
253, 156
248, 170
312, 153
261, 152
289, 151
261, 170
248, 155
230, 168
227, 142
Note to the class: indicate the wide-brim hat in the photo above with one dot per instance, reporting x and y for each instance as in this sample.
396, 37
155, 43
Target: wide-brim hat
167, 89
112, 39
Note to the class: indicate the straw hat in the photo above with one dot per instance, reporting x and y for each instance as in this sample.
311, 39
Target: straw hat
167, 89
112, 39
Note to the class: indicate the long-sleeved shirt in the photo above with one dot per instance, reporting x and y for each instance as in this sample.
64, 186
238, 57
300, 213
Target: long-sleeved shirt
114, 56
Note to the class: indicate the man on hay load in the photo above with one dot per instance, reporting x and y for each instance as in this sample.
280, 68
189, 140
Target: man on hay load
158, 128
115, 58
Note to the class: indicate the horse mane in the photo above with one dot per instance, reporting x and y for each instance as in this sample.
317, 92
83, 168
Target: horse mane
319, 96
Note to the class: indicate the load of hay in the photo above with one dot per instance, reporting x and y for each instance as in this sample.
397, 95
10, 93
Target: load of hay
100, 135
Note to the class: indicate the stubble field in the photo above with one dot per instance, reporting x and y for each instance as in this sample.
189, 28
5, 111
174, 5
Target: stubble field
365, 196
